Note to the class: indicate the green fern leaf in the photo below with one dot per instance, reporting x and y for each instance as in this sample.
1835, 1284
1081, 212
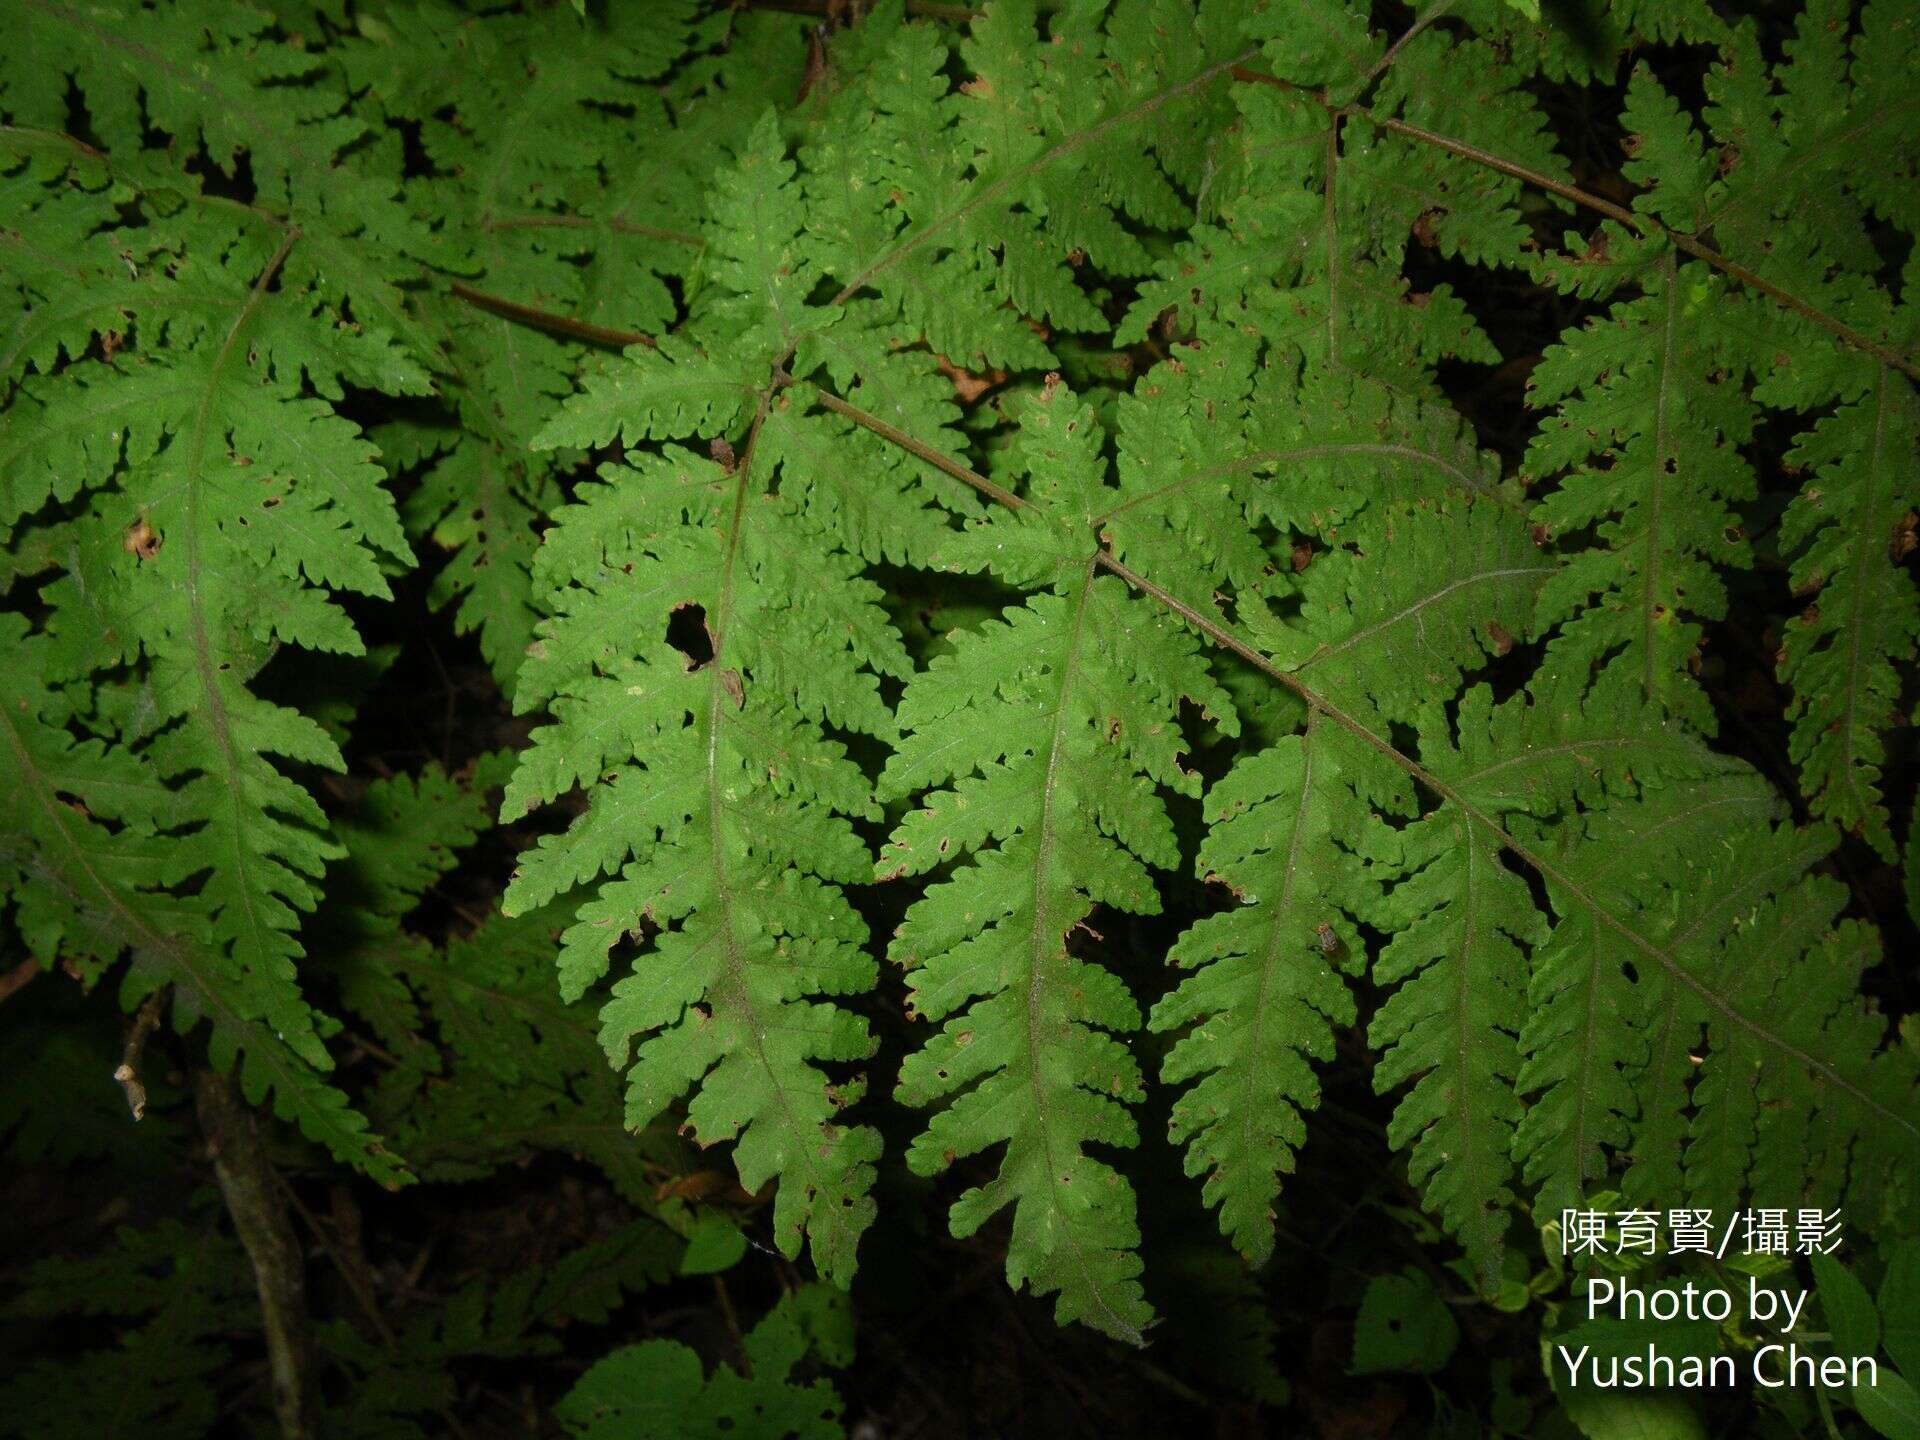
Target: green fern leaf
657, 1391
1452, 588
1450, 1026
1266, 994
1318, 211
1051, 731
1645, 438
1467, 932
724, 809
1845, 528
1424, 595
717, 796
1808, 161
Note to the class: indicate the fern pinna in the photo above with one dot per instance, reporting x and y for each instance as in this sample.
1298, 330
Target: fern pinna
684, 356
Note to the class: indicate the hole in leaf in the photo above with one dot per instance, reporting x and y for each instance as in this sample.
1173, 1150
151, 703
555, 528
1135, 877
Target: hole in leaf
687, 632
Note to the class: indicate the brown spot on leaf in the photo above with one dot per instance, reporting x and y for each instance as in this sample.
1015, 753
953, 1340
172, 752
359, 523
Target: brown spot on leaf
967, 385
141, 539
1904, 538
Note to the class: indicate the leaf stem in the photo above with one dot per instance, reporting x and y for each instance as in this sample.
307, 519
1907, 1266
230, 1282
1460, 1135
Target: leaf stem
18, 977
1392, 54
547, 320
940, 461
590, 222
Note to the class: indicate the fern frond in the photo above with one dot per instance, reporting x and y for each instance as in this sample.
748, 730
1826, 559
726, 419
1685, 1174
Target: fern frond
1266, 993
402, 836
715, 792
1425, 596
1235, 470
985, 194
1587, 1041
206, 498
65, 200
402, 1384
1415, 599
1645, 439
1845, 529
724, 809
1463, 925
1457, 721
1467, 931
1801, 148
509, 1070
658, 1391
1050, 731
935, 266
1813, 152
521, 1073
938, 224
1319, 209
481, 503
